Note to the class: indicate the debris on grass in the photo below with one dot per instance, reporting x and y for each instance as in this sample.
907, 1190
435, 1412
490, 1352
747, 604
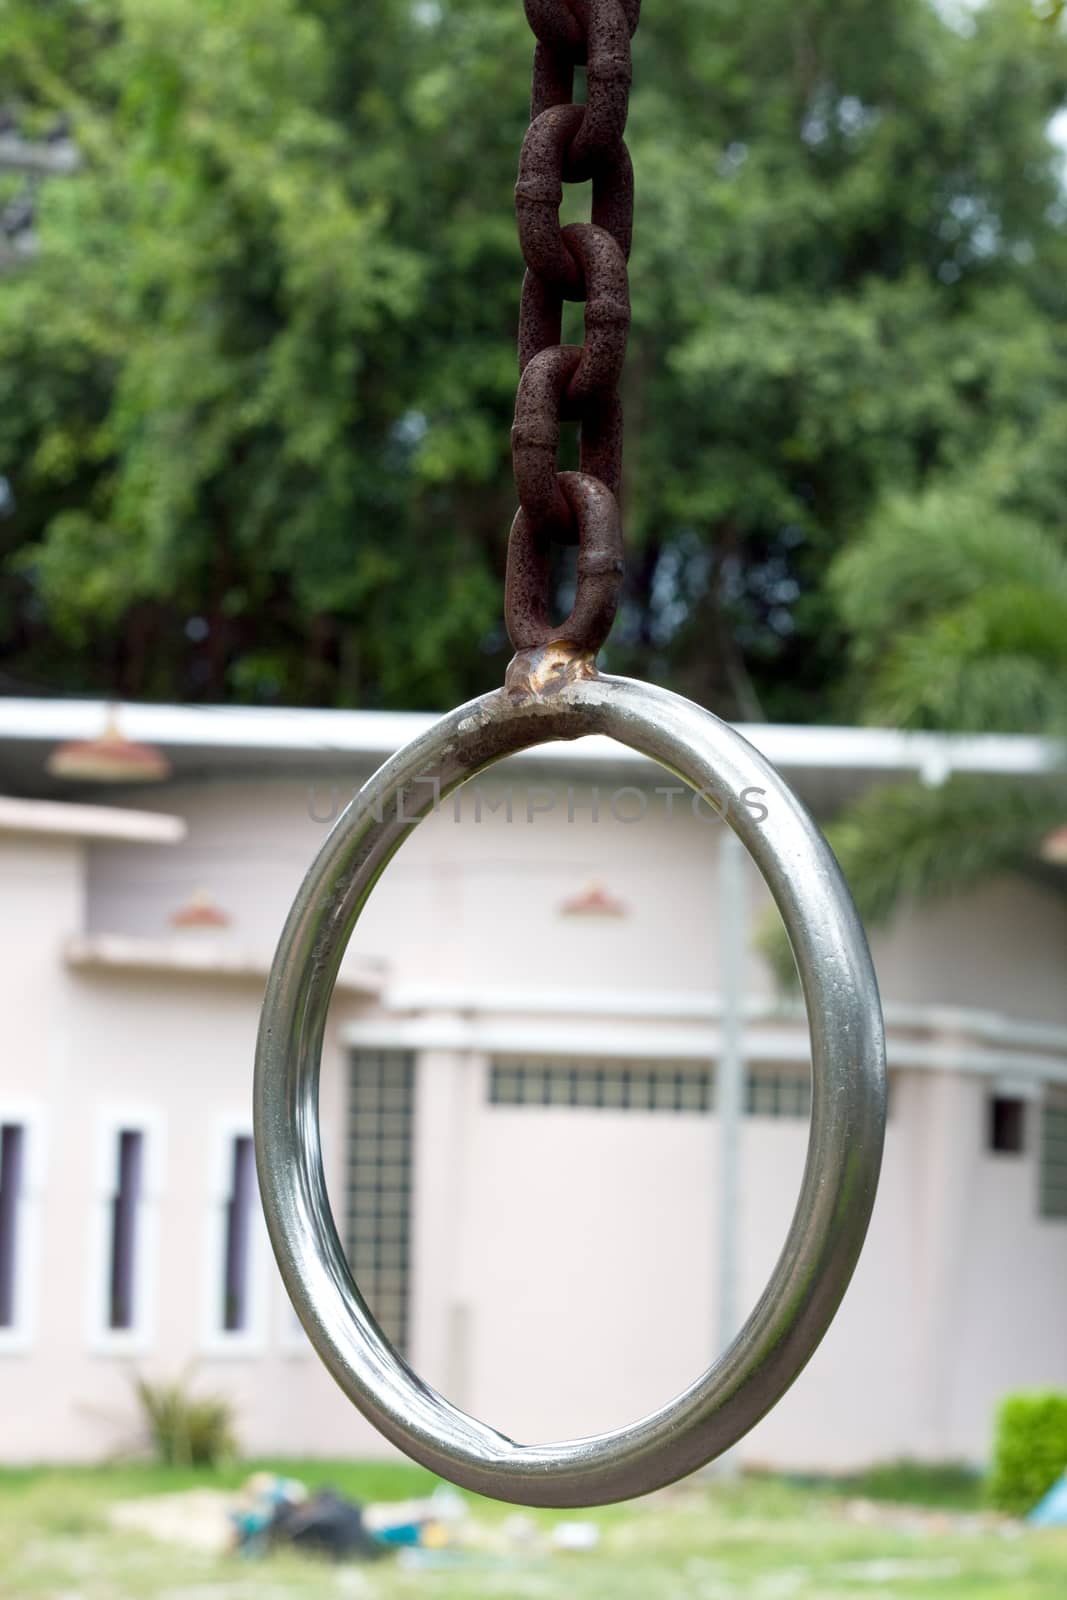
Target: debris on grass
273, 1512
575, 1537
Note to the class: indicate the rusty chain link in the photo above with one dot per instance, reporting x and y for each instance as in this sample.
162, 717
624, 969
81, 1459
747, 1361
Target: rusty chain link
569, 143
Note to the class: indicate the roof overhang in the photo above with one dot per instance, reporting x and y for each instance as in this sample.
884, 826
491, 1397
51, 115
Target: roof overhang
56, 818
201, 959
233, 732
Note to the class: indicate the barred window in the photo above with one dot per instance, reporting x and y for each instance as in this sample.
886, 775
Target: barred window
1053, 1187
650, 1086
778, 1094
381, 1124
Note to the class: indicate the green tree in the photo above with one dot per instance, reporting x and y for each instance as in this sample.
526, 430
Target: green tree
255, 388
870, 291
956, 601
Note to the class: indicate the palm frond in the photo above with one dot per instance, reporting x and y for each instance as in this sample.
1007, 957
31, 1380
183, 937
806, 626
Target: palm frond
909, 843
925, 554
996, 660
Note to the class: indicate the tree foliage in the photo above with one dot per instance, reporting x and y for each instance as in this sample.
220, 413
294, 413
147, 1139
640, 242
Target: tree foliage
956, 604
255, 388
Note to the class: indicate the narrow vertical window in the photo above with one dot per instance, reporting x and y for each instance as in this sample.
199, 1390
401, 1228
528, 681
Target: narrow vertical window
236, 1298
237, 1249
125, 1227
123, 1244
12, 1155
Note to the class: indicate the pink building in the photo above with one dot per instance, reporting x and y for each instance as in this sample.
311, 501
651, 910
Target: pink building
523, 1148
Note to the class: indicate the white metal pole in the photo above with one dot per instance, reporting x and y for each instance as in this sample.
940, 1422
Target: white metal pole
730, 1083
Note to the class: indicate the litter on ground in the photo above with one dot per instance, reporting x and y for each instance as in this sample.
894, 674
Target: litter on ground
271, 1512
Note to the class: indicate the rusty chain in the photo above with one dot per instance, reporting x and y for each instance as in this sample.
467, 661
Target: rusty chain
569, 143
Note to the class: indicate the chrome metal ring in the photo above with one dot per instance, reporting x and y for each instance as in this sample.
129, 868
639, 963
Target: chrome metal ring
848, 1104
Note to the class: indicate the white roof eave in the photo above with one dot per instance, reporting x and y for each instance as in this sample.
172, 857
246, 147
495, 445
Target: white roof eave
377, 734
63, 819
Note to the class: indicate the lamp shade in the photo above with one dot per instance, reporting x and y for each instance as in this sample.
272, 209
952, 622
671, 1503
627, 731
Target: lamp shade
595, 901
200, 911
109, 758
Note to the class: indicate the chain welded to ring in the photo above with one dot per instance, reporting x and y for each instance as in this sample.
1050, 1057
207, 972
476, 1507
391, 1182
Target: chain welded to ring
568, 143
552, 692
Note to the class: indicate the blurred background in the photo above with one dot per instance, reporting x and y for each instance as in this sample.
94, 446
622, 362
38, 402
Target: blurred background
259, 284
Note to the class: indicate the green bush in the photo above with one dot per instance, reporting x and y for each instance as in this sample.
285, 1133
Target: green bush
1030, 1450
187, 1430
948, 1484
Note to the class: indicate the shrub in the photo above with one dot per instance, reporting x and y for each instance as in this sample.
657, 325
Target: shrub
187, 1430
921, 1483
1030, 1449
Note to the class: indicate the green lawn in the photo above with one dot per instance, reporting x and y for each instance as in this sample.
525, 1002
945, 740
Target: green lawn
759, 1539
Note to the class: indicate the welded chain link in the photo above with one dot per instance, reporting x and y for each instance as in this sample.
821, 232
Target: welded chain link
568, 143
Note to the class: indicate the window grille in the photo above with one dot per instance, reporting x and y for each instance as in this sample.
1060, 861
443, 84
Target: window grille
1053, 1187
602, 1085
778, 1094
640, 1086
381, 1126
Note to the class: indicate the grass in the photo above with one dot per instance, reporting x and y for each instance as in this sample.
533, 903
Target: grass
946, 1485
758, 1539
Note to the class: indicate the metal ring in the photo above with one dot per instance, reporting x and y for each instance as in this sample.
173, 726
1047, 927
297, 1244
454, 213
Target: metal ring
848, 1108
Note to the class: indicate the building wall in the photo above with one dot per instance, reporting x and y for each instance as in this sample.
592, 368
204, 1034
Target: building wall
1001, 947
1010, 1286
172, 1056
580, 1290
564, 1260
564, 1278
42, 896
456, 890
